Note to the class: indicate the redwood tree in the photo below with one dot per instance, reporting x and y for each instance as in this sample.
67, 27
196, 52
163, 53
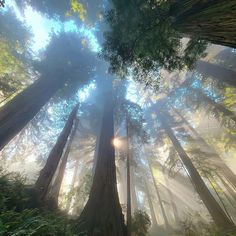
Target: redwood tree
47, 173
61, 65
102, 214
218, 215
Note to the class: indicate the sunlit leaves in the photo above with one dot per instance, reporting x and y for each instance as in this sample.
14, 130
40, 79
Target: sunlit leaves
78, 9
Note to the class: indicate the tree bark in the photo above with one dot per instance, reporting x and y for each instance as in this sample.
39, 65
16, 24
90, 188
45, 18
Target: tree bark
56, 185
218, 162
102, 215
212, 20
23, 107
133, 192
47, 173
129, 216
218, 215
217, 72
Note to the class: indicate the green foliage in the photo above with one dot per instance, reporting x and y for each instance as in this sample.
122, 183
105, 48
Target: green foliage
193, 225
13, 194
16, 219
142, 38
140, 223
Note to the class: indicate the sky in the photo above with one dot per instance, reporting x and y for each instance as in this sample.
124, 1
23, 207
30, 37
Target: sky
42, 28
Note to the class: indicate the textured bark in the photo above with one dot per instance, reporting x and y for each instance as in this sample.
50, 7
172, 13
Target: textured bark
102, 214
219, 107
129, 216
47, 173
218, 162
217, 72
56, 185
218, 215
212, 20
23, 107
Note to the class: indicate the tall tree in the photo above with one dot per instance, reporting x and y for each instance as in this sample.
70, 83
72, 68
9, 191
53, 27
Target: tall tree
152, 39
129, 216
218, 162
217, 72
102, 214
61, 65
218, 215
56, 184
47, 173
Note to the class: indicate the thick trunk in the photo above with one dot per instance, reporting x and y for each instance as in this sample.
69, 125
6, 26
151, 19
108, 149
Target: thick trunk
23, 107
218, 162
56, 185
217, 106
216, 71
102, 215
47, 173
158, 196
129, 216
218, 215
212, 20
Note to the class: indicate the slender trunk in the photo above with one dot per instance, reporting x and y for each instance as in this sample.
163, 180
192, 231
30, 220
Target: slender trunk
229, 189
219, 107
56, 185
212, 20
129, 217
174, 207
218, 72
218, 162
158, 196
153, 216
133, 192
102, 214
218, 215
23, 107
47, 173
73, 181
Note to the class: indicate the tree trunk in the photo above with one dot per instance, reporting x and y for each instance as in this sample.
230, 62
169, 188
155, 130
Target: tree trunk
218, 162
219, 107
102, 215
153, 216
23, 107
73, 181
158, 196
212, 20
133, 192
47, 173
56, 185
129, 216
216, 71
218, 215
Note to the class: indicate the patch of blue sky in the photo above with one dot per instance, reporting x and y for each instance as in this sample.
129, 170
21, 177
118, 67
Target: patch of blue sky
84, 93
43, 27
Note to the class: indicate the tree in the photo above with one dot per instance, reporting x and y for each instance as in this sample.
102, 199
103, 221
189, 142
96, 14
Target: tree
217, 72
62, 65
14, 54
218, 162
102, 214
56, 185
218, 215
47, 173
